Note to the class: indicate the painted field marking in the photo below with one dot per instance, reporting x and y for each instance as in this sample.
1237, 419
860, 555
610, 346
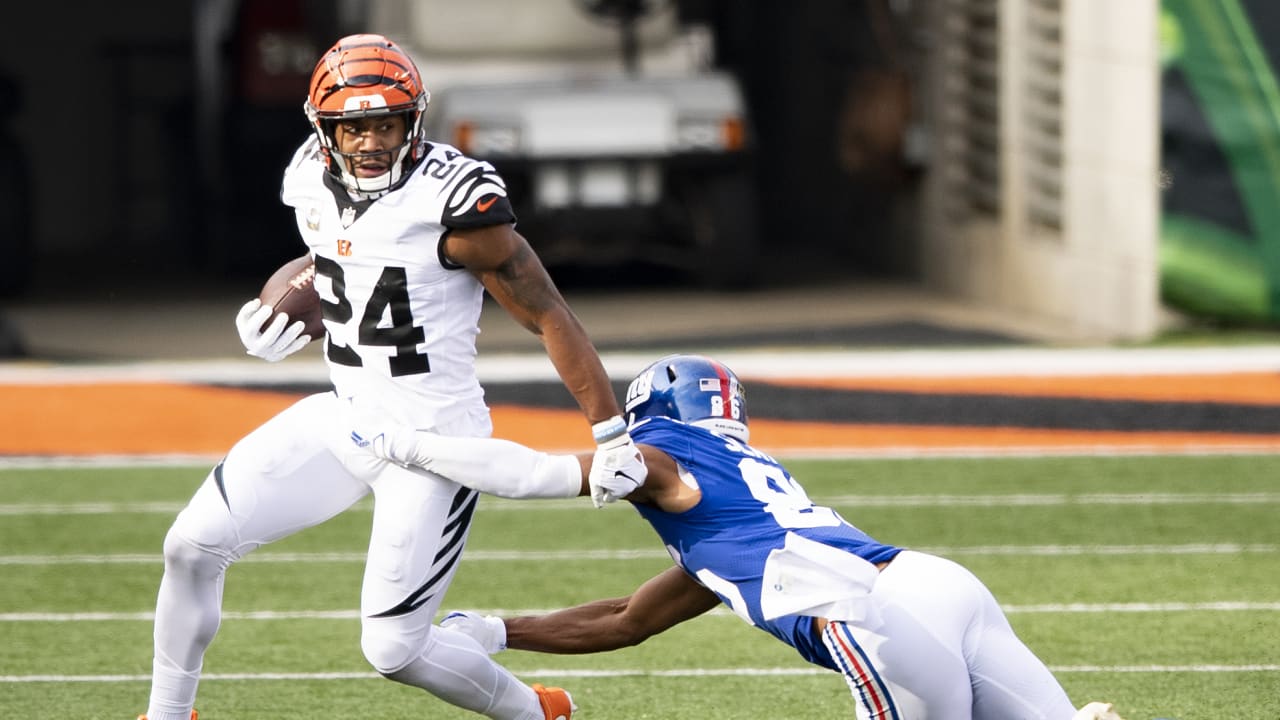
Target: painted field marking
584, 673
611, 555
860, 501
272, 615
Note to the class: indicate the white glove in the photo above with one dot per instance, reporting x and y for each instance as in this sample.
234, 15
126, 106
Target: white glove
490, 465
618, 467
397, 444
487, 630
274, 343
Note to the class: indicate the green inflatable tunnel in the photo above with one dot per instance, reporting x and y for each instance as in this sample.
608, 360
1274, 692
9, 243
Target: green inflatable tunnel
1220, 135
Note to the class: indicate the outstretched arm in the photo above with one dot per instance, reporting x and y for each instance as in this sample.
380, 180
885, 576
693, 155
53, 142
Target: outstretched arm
665, 600
512, 273
511, 470
490, 465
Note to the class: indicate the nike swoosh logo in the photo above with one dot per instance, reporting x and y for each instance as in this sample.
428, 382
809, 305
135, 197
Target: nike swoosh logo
484, 205
619, 473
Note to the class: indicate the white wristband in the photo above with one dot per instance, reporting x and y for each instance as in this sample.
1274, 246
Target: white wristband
607, 430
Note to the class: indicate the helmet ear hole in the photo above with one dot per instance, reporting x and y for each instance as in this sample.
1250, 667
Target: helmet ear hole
328, 130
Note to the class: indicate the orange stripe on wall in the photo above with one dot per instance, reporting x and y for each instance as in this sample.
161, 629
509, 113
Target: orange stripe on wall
162, 418
564, 430
1245, 388
130, 418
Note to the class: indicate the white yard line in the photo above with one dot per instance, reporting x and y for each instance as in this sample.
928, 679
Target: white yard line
1046, 499
858, 501
626, 554
1143, 607
271, 615
623, 672
92, 508
46, 462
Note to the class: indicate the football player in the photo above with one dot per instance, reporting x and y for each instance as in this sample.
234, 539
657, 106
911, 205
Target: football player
407, 235
914, 635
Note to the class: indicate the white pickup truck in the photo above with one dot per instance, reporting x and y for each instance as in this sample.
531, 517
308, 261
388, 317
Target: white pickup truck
621, 145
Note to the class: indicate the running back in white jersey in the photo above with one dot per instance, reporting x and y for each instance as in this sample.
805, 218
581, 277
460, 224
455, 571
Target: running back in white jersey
401, 320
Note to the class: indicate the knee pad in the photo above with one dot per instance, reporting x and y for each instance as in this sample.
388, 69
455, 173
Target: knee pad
184, 556
388, 648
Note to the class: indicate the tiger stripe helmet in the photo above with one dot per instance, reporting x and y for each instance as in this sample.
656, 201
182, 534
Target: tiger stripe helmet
367, 75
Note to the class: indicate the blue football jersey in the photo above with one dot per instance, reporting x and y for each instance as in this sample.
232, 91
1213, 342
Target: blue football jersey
749, 504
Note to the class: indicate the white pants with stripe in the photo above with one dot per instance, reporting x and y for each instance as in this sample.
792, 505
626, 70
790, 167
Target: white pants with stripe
942, 650
295, 471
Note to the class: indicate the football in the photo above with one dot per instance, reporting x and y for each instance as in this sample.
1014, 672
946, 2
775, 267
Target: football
292, 290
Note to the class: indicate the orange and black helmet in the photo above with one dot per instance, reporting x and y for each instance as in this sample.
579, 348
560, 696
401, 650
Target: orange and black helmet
367, 75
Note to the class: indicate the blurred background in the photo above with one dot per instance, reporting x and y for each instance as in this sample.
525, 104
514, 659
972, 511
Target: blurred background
1092, 165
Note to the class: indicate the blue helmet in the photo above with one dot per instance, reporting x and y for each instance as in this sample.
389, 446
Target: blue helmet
692, 389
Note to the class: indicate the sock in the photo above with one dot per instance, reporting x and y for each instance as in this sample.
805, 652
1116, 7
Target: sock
454, 668
188, 611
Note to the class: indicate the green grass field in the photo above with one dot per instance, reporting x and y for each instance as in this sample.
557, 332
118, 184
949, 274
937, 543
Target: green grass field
1151, 582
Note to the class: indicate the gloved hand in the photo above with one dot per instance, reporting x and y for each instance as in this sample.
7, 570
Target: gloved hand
397, 443
278, 341
487, 630
618, 467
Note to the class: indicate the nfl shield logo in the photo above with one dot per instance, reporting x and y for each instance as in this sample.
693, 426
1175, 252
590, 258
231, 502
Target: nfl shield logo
348, 216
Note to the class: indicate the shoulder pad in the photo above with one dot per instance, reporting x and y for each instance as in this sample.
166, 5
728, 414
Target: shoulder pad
475, 194
309, 151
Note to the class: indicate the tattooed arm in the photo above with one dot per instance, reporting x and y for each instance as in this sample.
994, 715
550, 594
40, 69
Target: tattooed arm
512, 273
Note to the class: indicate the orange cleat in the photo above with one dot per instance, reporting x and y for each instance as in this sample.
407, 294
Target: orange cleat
556, 703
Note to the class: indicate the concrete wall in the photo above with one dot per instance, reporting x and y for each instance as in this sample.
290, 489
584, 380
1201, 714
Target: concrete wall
1072, 234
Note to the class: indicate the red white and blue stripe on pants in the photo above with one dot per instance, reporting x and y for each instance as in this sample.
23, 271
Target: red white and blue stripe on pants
869, 689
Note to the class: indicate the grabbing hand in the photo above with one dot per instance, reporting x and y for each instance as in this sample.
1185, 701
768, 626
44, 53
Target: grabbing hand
616, 470
398, 444
273, 343
487, 630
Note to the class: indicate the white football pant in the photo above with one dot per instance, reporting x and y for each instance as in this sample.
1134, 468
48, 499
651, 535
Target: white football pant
943, 651
295, 471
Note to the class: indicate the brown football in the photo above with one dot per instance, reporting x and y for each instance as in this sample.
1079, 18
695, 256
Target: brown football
292, 290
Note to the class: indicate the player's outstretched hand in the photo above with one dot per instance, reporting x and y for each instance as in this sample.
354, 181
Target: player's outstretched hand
400, 444
272, 342
487, 630
618, 467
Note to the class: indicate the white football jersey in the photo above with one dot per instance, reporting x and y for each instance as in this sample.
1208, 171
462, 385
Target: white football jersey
400, 319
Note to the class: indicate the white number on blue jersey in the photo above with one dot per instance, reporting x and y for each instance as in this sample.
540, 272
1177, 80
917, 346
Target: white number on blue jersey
783, 497
727, 591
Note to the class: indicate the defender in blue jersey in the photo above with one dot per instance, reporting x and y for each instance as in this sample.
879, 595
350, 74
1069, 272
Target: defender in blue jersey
914, 635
